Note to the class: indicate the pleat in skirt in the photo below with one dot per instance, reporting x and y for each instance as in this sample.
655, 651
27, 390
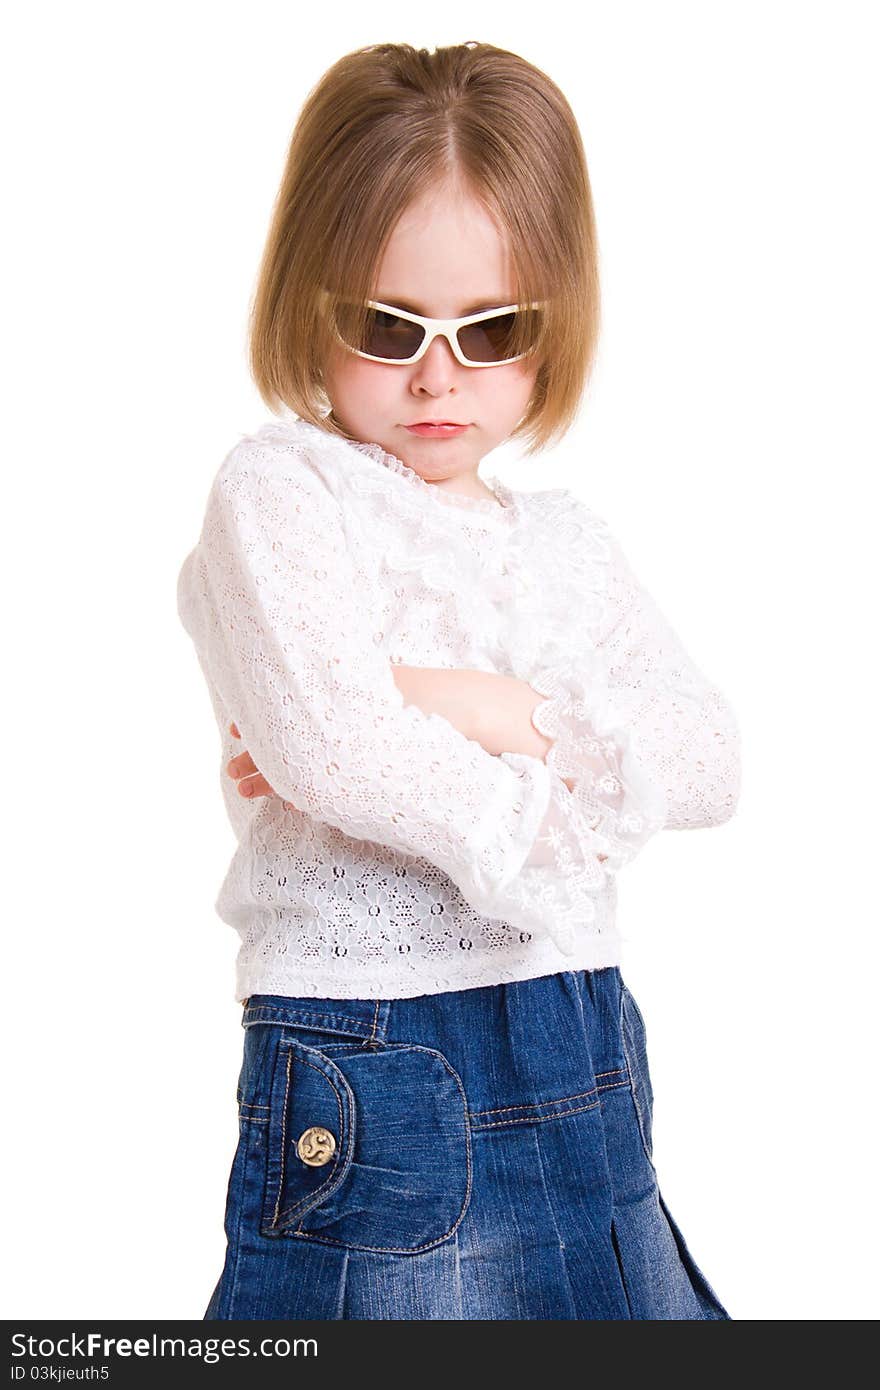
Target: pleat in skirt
483, 1153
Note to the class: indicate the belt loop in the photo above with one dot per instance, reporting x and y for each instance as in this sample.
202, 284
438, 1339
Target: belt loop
380, 1020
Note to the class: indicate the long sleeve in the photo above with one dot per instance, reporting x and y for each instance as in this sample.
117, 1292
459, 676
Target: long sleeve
649, 740
272, 598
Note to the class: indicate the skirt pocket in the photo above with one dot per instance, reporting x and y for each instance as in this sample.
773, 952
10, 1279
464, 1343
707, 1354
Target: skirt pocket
367, 1145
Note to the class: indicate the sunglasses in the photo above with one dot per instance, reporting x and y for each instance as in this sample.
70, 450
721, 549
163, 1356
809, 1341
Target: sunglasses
394, 335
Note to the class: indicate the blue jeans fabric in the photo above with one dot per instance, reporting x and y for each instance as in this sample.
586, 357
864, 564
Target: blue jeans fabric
486, 1154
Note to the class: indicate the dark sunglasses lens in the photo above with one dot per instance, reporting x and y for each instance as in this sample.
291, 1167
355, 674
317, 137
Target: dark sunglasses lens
387, 335
380, 334
500, 338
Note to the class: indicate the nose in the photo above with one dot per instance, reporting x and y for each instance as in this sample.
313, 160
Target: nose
438, 370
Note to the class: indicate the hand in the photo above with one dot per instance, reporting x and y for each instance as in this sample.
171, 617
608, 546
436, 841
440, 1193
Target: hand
251, 781
242, 767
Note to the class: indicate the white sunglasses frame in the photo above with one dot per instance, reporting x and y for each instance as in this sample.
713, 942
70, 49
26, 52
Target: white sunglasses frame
439, 328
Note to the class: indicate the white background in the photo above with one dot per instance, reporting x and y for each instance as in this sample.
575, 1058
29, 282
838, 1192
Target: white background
729, 437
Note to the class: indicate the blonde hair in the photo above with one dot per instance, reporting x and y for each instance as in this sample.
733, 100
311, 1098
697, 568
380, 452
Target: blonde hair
384, 123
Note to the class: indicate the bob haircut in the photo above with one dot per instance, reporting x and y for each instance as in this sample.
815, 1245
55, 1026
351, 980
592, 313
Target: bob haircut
382, 124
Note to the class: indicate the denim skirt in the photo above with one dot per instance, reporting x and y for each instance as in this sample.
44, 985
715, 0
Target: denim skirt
483, 1153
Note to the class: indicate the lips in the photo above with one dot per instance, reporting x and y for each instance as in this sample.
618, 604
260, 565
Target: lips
437, 429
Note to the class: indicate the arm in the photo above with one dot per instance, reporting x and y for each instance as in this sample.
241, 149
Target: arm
635, 722
494, 710
282, 625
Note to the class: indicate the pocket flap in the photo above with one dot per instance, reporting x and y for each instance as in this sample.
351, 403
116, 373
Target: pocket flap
309, 1092
399, 1174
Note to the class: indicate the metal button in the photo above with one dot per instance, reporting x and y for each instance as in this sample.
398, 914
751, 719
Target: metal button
316, 1145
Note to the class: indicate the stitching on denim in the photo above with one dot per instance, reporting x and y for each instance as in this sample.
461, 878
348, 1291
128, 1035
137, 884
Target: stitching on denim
229, 1301
283, 1141
535, 1105
557, 1100
557, 1115
340, 1167
298, 1016
540, 1119
373, 1032
632, 1085
413, 1249
635, 1003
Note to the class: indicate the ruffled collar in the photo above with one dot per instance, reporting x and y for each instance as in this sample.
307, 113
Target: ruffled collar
430, 491
505, 510
535, 558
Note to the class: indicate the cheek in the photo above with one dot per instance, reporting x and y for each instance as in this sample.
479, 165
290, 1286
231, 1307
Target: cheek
513, 387
356, 383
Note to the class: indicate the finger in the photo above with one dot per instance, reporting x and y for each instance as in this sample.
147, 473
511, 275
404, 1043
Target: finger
242, 765
233, 729
255, 786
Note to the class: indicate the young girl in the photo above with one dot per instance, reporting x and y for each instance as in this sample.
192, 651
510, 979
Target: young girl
450, 714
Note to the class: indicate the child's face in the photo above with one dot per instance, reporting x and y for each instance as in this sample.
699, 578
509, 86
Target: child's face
444, 256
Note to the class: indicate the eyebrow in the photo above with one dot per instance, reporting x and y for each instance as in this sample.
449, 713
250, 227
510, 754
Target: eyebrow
476, 308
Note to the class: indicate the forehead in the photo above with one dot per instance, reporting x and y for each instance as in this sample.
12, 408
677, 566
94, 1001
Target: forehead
446, 256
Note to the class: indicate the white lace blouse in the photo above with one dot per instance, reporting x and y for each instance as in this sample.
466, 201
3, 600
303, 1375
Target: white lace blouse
399, 857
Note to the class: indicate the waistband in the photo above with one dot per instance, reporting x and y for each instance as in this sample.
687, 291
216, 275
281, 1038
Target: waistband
357, 1018
373, 1019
